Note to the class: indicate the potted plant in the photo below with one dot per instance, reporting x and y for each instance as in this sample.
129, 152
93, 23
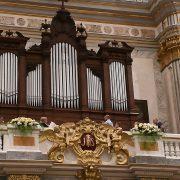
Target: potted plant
24, 125
147, 134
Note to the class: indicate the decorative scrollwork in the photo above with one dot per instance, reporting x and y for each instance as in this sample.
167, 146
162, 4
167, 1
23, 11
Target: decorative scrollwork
89, 173
23, 177
88, 139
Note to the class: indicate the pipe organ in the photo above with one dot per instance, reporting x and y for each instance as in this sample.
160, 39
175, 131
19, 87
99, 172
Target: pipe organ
8, 78
64, 76
95, 101
62, 79
118, 86
34, 86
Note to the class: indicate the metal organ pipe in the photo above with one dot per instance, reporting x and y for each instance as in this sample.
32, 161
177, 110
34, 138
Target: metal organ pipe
94, 85
34, 87
8, 78
118, 86
64, 76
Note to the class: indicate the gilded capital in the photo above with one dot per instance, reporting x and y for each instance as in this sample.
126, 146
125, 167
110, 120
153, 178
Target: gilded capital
169, 50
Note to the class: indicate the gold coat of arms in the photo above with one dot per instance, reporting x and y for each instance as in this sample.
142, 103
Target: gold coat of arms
89, 140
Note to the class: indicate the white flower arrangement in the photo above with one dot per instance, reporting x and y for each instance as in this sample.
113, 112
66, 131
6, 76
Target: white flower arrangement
146, 129
25, 125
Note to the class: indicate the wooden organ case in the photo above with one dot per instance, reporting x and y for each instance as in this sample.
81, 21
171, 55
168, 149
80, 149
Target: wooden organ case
63, 80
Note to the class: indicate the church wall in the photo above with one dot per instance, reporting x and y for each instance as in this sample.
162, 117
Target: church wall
143, 79
148, 82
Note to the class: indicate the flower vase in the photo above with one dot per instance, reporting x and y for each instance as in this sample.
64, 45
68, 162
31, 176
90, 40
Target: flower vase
148, 143
22, 141
148, 146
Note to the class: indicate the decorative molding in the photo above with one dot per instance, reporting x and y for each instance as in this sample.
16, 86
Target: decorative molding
156, 15
29, 22
130, 12
89, 173
169, 51
23, 177
24, 170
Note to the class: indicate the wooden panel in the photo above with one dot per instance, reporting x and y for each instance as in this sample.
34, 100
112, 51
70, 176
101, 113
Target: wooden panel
24, 141
142, 108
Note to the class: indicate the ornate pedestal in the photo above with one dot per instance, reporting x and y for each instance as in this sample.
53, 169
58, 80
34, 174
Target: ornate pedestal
147, 147
16, 141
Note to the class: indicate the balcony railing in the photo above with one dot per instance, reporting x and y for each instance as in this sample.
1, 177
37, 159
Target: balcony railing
169, 145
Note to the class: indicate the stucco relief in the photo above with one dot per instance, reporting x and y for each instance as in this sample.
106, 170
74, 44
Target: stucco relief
34, 23
107, 29
146, 33
134, 32
123, 31
21, 22
8, 21
91, 27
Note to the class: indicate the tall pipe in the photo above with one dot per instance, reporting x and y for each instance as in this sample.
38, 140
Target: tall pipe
64, 90
118, 86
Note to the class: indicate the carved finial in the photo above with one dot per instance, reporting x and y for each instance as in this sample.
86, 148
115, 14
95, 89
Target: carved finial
81, 31
9, 33
62, 6
45, 26
115, 43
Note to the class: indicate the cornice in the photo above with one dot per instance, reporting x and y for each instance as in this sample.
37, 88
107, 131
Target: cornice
164, 8
128, 171
104, 11
136, 23
121, 12
30, 27
95, 11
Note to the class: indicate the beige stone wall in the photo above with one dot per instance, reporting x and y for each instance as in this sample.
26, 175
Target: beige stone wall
144, 80
148, 82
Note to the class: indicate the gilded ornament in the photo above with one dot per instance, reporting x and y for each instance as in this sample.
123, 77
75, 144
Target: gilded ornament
89, 173
88, 140
169, 50
23, 177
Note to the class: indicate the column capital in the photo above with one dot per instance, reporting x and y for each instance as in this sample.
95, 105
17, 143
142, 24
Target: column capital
169, 48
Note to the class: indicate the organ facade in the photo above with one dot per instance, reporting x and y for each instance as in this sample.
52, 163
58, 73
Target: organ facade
62, 79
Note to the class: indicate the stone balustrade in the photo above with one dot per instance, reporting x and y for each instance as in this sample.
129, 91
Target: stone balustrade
168, 146
18, 150
171, 144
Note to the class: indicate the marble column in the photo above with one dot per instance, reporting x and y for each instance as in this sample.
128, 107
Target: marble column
169, 54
